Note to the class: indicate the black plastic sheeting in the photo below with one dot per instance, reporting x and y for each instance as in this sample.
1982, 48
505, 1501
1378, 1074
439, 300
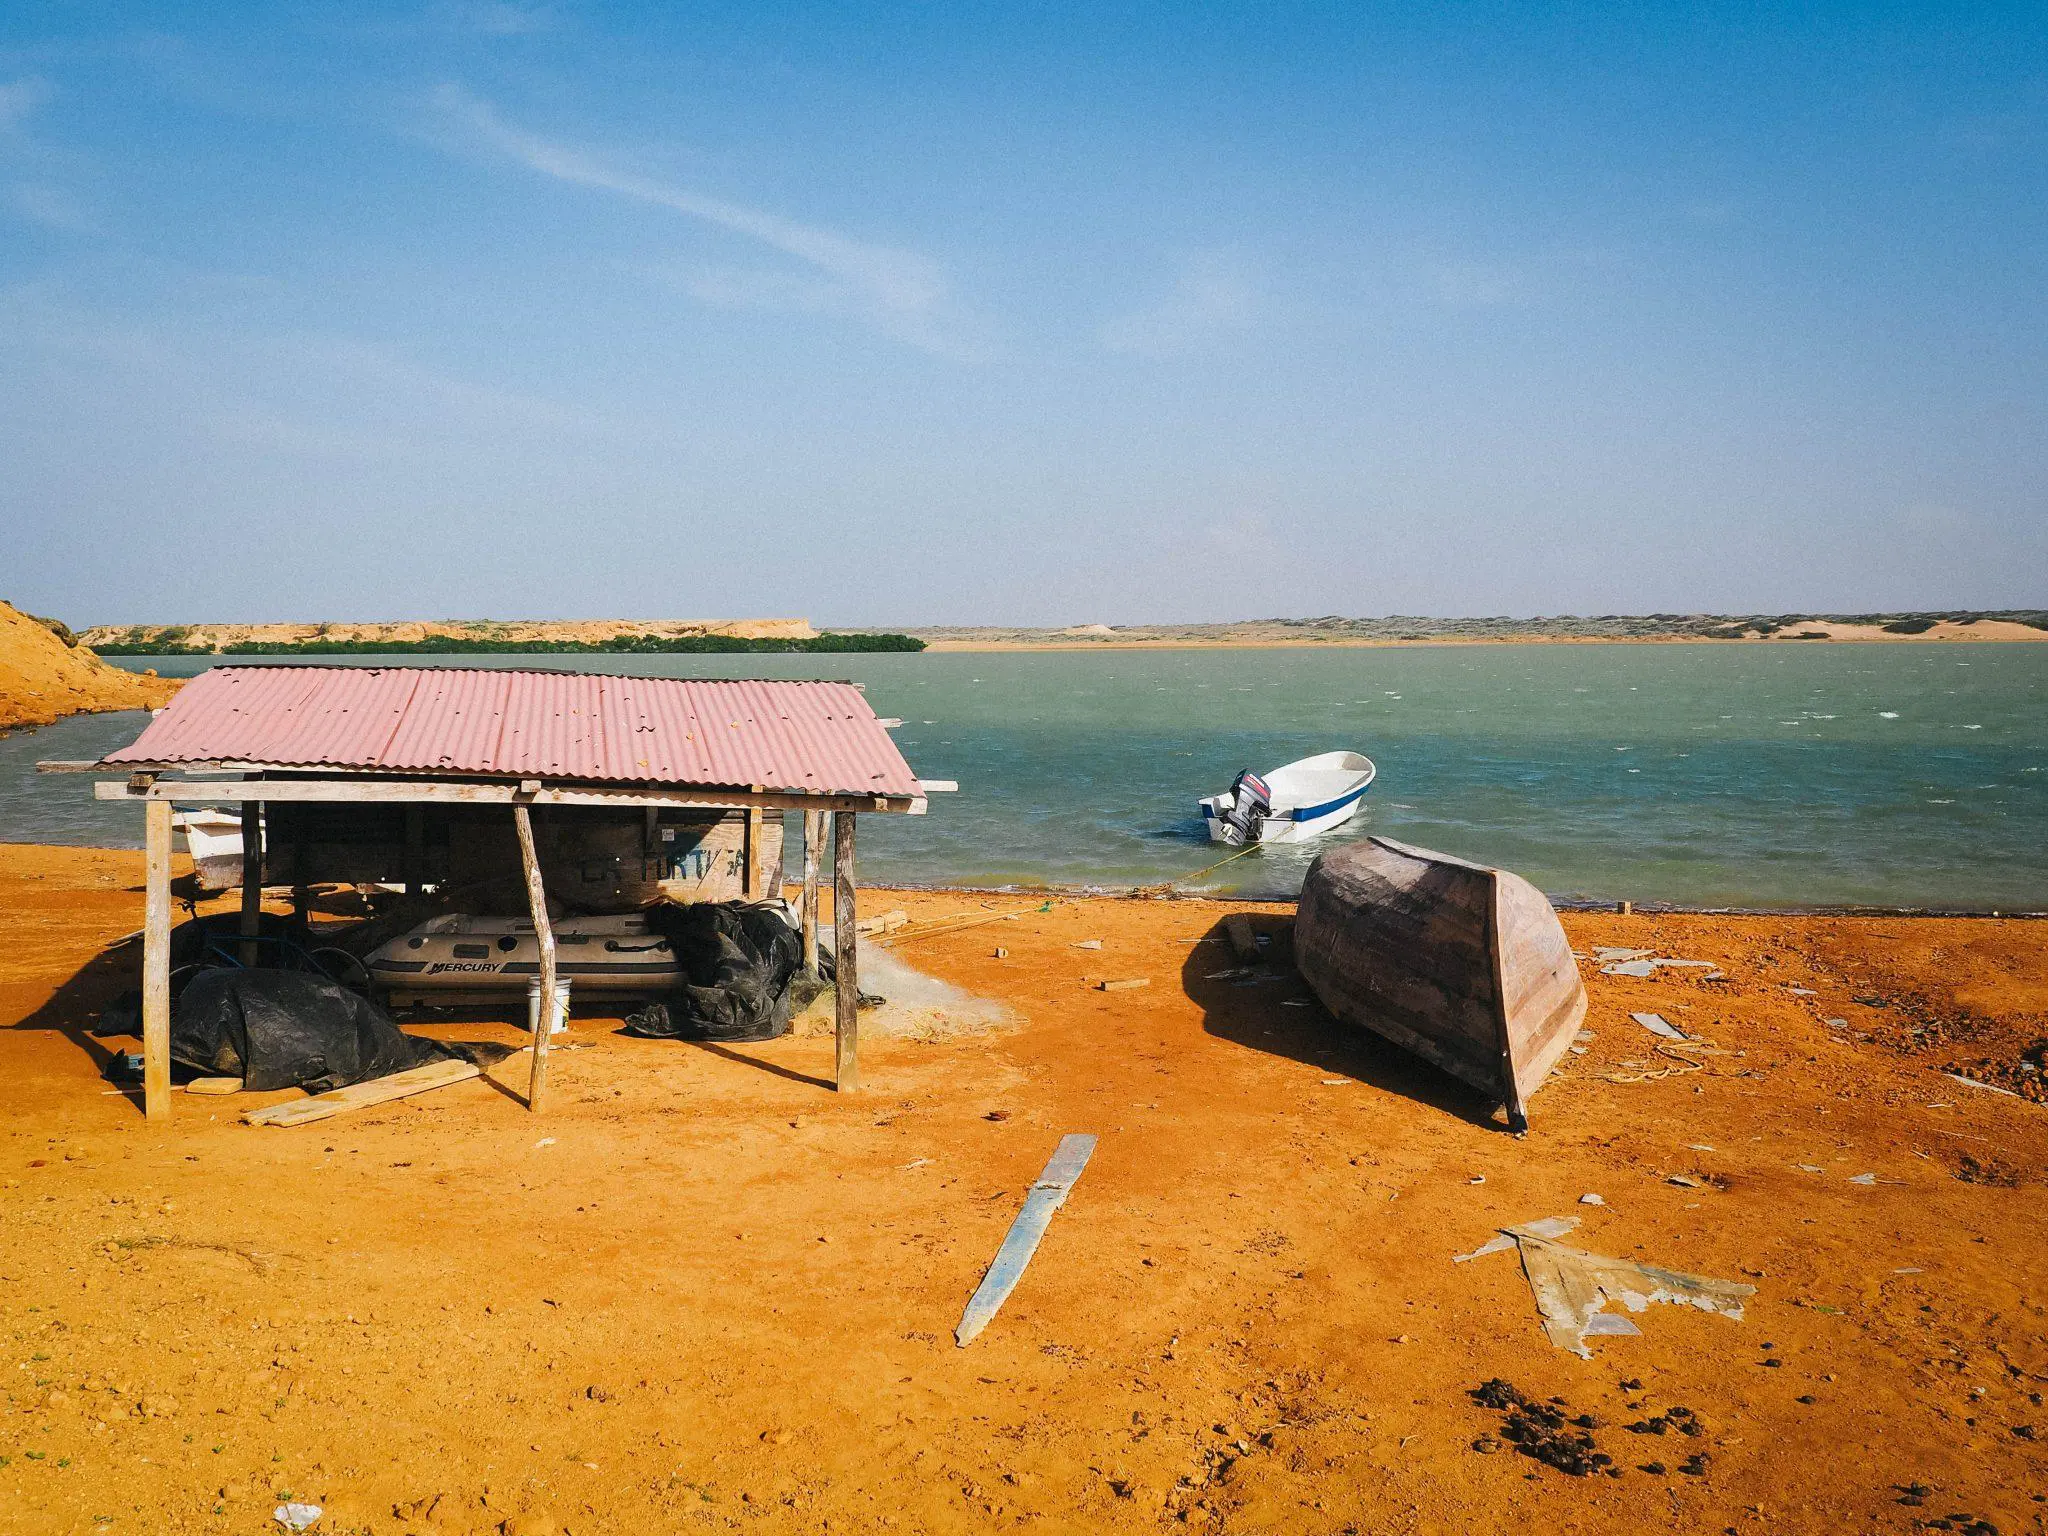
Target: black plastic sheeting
294, 1029
739, 959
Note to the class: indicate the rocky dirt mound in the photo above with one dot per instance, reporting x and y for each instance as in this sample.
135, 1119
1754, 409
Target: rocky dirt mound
45, 675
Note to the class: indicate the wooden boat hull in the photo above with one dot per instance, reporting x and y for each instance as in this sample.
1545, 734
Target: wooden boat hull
214, 839
1464, 965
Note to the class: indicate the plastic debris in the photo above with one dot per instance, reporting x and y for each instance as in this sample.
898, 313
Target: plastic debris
1572, 1287
1591, 1200
1657, 1024
1089, 944
1987, 1087
1865, 1179
1607, 954
1650, 965
296, 1517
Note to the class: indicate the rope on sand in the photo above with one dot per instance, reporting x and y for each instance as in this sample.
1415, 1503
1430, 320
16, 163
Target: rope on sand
1154, 890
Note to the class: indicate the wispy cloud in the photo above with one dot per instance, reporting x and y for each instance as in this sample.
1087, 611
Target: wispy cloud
492, 18
27, 188
1211, 296
19, 99
1475, 284
39, 202
902, 292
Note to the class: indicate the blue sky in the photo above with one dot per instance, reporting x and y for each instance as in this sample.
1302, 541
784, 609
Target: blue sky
947, 314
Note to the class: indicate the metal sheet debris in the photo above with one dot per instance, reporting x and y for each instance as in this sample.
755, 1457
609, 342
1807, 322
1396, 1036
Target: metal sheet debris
1643, 962
1572, 1286
1657, 1024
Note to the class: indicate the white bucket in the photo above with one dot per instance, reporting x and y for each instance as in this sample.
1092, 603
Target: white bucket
558, 1020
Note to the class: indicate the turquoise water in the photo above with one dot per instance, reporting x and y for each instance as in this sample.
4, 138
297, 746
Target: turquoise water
1746, 775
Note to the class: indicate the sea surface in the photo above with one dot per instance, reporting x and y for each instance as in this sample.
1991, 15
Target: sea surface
1745, 775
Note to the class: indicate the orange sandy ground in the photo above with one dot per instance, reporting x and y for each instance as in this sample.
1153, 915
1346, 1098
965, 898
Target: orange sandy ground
704, 1292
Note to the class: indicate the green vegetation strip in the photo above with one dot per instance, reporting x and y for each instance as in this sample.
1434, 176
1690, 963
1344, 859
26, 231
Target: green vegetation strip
170, 644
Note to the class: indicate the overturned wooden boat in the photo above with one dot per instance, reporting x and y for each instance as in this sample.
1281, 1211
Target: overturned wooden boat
1464, 965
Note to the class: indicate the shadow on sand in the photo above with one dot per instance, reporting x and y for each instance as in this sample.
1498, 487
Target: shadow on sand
1252, 1010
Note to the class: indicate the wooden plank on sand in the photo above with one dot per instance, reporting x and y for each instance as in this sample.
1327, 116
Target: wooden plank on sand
1243, 942
382, 1090
1048, 1194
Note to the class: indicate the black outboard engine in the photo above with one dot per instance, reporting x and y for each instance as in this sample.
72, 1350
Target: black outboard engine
1250, 800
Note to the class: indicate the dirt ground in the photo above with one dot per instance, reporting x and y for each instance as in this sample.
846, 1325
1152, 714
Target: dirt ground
704, 1292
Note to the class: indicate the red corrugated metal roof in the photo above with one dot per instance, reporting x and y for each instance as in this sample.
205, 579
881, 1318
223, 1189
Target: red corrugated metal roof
797, 737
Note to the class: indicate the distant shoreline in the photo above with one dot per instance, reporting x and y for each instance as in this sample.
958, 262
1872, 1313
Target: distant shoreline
1073, 646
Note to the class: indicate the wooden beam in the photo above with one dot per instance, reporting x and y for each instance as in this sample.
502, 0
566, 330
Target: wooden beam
442, 792
814, 844
537, 899
379, 1090
156, 961
415, 865
845, 959
1048, 1193
750, 874
252, 880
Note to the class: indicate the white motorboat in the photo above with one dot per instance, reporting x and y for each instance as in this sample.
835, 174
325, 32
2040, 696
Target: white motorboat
1292, 804
214, 839
460, 958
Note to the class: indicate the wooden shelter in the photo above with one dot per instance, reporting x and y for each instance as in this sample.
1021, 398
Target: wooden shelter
412, 738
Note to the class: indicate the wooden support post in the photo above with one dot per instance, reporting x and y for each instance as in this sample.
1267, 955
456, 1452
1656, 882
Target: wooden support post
252, 881
537, 899
814, 845
415, 848
750, 875
845, 961
156, 960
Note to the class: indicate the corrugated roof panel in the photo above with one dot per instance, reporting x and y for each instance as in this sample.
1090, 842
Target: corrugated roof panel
820, 738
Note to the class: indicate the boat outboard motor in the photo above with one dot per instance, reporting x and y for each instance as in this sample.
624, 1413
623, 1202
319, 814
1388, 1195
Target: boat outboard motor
1250, 800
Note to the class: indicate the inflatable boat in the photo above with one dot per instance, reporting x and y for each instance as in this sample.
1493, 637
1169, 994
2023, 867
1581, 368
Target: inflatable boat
463, 959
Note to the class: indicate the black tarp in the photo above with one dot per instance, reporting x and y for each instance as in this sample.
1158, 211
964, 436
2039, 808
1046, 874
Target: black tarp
739, 959
293, 1029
